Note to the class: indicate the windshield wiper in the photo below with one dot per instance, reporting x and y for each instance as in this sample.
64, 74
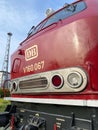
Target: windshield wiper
31, 30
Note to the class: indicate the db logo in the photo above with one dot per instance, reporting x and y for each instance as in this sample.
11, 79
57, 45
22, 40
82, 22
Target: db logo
31, 53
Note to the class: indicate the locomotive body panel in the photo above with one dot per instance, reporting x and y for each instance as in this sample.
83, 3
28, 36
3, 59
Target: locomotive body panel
64, 44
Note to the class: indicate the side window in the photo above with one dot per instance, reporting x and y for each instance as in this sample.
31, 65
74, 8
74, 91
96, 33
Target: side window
16, 65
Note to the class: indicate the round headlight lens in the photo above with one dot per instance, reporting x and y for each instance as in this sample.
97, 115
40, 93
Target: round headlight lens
14, 86
57, 81
74, 79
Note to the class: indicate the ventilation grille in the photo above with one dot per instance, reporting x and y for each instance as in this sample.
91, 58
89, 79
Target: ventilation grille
33, 83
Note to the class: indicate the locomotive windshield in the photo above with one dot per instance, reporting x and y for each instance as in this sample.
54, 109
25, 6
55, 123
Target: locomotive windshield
67, 11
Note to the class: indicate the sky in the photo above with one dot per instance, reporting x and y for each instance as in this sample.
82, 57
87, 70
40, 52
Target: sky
18, 16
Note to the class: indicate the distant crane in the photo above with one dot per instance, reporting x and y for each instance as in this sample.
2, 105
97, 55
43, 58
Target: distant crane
5, 73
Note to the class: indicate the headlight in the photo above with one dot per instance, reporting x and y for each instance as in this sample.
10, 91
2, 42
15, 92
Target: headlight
15, 86
57, 81
74, 79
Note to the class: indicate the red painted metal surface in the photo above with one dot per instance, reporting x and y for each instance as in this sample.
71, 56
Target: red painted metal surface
68, 43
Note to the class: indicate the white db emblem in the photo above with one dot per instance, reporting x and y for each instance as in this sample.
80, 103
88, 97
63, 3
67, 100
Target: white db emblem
31, 53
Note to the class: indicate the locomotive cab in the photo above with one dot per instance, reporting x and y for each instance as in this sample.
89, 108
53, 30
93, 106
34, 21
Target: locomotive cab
54, 71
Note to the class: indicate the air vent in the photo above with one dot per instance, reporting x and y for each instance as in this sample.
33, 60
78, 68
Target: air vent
37, 83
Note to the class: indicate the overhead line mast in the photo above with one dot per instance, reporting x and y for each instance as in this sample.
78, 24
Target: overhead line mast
6, 59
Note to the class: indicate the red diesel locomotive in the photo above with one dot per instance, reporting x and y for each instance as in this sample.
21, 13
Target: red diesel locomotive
54, 73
